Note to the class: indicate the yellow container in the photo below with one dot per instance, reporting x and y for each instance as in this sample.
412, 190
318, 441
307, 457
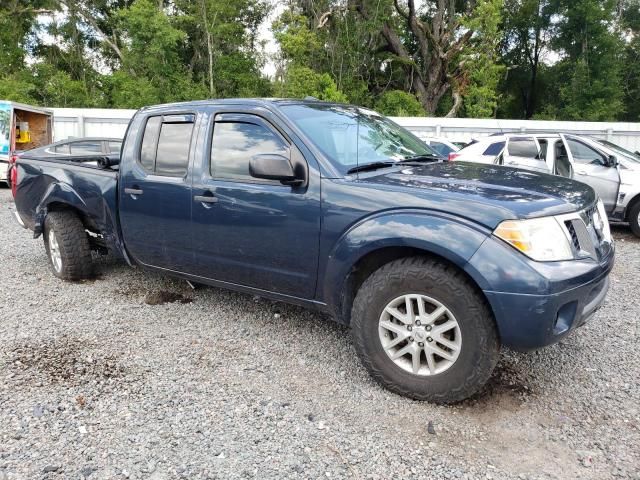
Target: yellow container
22, 133
25, 137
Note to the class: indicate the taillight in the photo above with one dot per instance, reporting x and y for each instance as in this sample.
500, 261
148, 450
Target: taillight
13, 174
453, 156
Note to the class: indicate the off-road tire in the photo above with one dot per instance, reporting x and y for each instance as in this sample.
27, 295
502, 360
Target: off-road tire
634, 221
73, 245
480, 342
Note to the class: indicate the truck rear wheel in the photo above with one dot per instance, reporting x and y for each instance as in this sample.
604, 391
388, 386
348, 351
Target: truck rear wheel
67, 246
423, 330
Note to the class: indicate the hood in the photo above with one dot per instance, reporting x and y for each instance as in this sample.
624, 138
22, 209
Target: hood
488, 193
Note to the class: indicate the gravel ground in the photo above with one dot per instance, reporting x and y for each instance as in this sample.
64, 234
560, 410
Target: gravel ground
134, 375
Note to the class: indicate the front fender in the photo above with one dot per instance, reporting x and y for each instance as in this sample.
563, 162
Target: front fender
450, 237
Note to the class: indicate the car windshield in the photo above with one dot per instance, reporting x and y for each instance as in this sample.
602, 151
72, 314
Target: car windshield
627, 155
351, 137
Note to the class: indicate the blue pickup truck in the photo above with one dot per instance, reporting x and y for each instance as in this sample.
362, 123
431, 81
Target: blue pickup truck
435, 265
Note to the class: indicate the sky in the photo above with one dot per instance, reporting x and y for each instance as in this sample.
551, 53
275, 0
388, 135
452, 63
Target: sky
265, 34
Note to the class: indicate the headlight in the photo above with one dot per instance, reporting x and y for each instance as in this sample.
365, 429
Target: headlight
601, 222
541, 239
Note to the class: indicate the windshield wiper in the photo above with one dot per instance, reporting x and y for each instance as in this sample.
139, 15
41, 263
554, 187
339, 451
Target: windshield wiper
426, 157
371, 166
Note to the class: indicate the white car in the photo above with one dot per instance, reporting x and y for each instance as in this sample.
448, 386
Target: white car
481, 150
444, 146
612, 171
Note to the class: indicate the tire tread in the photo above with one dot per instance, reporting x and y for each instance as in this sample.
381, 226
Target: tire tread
450, 277
74, 245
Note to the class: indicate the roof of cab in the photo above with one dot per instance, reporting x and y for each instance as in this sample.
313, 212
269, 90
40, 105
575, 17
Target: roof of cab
258, 102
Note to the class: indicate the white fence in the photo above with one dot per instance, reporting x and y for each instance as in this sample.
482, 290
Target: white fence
90, 122
87, 122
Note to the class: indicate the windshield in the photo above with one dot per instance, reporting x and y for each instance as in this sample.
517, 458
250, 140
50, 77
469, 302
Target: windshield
626, 154
351, 137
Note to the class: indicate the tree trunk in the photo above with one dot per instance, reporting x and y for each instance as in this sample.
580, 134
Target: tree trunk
436, 46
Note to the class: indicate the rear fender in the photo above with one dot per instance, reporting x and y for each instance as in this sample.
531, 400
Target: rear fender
98, 212
56, 193
451, 238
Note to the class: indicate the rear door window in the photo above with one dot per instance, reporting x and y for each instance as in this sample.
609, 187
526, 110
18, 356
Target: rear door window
165, 145
494, 149
523, 147
150, 143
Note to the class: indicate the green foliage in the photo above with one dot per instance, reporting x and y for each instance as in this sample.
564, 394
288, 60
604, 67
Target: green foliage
631, 61
131, 53
301, 82
298, 43
482, 60
591, 85
400, 104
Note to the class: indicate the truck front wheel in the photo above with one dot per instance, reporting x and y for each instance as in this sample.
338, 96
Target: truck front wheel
424, 331
67, 246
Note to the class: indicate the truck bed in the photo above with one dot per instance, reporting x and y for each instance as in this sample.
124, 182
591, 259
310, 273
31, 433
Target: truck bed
49, 183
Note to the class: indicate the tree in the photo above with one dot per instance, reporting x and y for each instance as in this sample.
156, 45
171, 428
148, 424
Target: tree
428, 44
630, 24
591, 70
528, 30
302, 49
482, 70
400, 104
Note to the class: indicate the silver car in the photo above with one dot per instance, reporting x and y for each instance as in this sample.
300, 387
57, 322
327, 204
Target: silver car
612, 171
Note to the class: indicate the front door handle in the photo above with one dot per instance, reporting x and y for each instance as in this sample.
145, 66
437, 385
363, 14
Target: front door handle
205, 198
133, 191
581, 172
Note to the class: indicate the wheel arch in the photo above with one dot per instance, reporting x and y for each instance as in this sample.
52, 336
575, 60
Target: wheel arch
632, 203
378, 241
58, 197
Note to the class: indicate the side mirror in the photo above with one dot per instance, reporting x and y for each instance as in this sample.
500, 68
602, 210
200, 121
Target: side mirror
271, 166
613, 161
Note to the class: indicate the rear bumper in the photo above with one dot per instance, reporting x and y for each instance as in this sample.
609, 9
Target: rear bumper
539, 304
18, 218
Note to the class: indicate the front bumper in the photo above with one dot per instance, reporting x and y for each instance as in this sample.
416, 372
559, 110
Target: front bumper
549, 301
528, 322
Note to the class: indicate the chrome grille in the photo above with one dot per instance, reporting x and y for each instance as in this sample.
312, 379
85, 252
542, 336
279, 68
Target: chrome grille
586, 239
572, 233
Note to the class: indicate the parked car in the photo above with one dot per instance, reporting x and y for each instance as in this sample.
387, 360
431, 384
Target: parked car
442, 145
481, 150
433, 264
612, 171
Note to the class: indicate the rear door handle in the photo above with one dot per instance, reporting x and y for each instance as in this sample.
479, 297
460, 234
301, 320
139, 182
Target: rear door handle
133, 191
205, 198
